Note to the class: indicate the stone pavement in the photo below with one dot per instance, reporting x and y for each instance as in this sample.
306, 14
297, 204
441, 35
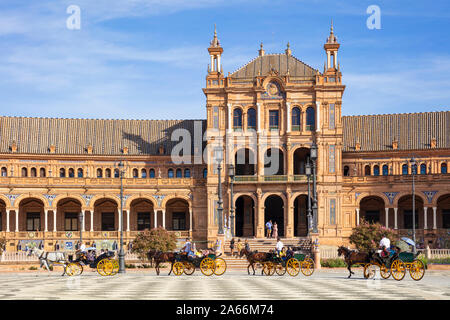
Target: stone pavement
323, 284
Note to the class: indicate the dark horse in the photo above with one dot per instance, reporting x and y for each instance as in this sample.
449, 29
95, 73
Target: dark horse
159, 257
151, 256
255, 257
352, 257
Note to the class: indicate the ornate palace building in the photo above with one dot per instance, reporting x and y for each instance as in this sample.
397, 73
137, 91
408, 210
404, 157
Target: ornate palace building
61, 176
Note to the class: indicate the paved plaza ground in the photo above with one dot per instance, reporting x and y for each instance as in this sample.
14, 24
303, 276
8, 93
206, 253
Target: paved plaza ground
234, 284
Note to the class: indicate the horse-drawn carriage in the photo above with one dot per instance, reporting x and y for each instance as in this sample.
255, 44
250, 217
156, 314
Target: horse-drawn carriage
208, 264
290, 263
105, 263
397, 263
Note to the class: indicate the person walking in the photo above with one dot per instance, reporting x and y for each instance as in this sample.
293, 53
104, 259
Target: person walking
232, 246
269, 228
275, 230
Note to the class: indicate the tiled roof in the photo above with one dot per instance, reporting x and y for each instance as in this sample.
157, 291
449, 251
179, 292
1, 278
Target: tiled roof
262, 65
412, 131
107, 137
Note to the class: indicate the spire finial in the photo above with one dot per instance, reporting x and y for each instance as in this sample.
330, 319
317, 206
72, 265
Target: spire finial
332, 38
331, 25
261, 50
215, 42
288, 49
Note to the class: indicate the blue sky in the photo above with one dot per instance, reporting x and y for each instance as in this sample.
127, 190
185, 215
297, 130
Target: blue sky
147, 59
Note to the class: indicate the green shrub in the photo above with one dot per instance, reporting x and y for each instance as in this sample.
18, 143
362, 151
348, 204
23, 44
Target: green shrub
332, 263
130, 266
155, 239
440, 261
367, 235
32, 268
146, 266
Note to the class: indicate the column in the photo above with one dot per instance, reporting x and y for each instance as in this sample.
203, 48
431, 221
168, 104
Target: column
230, 128
92, 220
17, 220
218, 63
119, 227
83, 220
190, 220
434, 218
128, 220
164, 219
425, 218
46, 220
387, 217
258, 117
155, 218
7, 220
54, 220
318, 116
211, 67
289, 229
357, 216
260, 218
288, 117
395, 218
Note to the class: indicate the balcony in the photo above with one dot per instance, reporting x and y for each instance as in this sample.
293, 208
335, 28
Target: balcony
430, 178
270, 179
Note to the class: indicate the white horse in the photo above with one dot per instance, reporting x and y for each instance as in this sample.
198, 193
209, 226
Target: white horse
49, 258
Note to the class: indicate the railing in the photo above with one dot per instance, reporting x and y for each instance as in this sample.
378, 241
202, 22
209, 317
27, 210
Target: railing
22, 256
245, 178
270, 178
331, 253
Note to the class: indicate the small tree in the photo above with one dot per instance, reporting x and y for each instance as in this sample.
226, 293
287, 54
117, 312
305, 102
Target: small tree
367, 235
155, 239
2, 245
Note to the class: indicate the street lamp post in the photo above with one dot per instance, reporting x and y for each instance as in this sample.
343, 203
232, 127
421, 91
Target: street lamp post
308, 175
413, 171
121, 166
231, 173
313, 155
219, 158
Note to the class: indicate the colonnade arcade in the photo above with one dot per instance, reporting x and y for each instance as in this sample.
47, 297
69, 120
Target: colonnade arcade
99, 213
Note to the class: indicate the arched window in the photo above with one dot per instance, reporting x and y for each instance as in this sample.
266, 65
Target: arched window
205, 173
296, 119
376, 170
135, 173
237, 119
443, 168
423, 168
310, 119
385, 170
170, 173
80, 173
107, 173
99, 173
116, 173
62, 173
4, 172
187, 173
405, 169
179, 173
24, 172
71, 173
144, 174
152, 173
346, 171
42, 172
367, 170
33, 172
251, 119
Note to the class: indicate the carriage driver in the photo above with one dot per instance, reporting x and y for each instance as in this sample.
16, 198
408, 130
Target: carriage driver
279, 246
187, 249
385, 245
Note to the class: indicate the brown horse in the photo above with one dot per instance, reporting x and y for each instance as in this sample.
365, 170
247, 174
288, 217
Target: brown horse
151, 256
352, 257
163, 257
255, 257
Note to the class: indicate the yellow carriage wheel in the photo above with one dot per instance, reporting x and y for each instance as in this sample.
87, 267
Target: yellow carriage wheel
366, 271
398, 270
178, 268
307, 267
207, 266
293, 267
74, 269
105, 267
417, 270
268, 268
385, 272
115, 264
279, 269
369, 271
189, 268
221, 266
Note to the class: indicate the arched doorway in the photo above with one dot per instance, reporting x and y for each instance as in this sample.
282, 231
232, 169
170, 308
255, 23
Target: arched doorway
245, 162
372, 210
31, 215
106, 214
301, 155
67, 215
274, 211
301, 216
273, 162
245, 217
177, 215
443, 212
142, 215
406, 213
